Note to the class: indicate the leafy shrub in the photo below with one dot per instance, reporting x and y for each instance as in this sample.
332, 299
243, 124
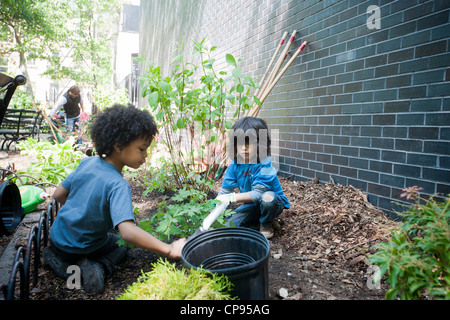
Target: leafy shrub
191, 107
417, 260
160, 178
182, 218
166, 282
22, 100
54, 161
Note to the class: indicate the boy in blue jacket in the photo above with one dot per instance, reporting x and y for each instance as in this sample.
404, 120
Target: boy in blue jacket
251, 171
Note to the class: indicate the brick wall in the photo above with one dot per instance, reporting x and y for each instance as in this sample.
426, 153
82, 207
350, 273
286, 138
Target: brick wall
359, 106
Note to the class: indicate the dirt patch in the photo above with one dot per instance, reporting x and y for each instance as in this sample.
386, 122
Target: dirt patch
319, 253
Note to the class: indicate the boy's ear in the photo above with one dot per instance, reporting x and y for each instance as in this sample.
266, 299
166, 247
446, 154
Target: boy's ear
117, 148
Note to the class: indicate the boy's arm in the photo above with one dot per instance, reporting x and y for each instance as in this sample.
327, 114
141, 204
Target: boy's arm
251, 196
142, 239
61, 194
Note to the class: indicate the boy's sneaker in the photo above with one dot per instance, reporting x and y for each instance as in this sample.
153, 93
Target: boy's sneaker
93, 276
266, 231
56, 263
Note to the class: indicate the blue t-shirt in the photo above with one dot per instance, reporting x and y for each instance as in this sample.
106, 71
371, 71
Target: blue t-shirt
99, 199
254, 178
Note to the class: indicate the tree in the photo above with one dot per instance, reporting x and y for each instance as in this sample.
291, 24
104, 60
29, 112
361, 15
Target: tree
31, 28
76, 37
94, 26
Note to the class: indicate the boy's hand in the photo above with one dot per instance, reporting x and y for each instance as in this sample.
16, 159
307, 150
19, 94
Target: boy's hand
176, 247
227, 198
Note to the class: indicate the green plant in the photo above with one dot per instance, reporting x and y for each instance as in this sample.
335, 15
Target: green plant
54, 161
105, 97
191, 107
159, 178
22, 100
167, 282
183, 217
417, 259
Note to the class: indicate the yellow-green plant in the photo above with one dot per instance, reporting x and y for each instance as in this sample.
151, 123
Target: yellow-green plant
417, 259
167, 282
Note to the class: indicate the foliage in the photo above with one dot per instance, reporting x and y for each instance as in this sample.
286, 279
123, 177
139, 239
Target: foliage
21, 100
105, 97
75, 38
417, 259
54, 161
89, 38
32, 28
167, 282
159, 178
191, 108
183, 217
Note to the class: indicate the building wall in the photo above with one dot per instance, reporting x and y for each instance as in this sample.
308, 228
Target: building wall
359, 106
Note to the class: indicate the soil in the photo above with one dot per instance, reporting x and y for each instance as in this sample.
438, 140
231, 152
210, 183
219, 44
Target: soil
319, 251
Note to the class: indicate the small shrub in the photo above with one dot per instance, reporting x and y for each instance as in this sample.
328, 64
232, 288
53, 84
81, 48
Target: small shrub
166, 282
182, 218
54, 161
417, 260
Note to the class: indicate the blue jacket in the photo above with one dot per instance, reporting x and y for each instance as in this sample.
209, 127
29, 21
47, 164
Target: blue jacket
254, 178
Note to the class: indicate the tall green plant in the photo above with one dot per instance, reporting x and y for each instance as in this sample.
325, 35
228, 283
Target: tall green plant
194, 107
417, 259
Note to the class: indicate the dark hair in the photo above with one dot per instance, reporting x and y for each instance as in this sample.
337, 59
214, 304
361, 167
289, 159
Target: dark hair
251, 123
74, 89
121, 125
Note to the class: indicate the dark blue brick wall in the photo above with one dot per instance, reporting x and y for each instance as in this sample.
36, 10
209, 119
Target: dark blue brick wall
360, 106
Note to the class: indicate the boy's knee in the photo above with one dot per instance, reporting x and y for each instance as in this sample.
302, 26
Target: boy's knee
267, 197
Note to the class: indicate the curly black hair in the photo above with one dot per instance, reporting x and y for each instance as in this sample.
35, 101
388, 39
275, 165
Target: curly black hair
121, 125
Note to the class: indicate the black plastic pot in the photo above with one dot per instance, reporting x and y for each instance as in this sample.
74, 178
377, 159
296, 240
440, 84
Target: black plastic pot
239, 253
10, 208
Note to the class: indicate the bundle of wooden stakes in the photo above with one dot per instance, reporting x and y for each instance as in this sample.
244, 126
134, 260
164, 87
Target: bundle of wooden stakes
275, 74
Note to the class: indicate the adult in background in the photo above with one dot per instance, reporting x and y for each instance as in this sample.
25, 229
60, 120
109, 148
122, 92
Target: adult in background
72, 103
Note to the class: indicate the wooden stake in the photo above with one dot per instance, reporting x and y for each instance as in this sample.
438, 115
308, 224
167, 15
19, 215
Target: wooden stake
276, 68
274, 82
270, 63
278, 64
50, 123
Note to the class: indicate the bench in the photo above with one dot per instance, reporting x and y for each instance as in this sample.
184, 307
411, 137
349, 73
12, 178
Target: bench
19, 124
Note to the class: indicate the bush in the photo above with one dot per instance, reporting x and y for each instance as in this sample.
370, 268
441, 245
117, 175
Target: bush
417, 260
166, 282
182, 218
54, 161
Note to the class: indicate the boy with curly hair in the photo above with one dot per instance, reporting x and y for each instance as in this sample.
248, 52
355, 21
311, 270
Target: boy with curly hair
96, 198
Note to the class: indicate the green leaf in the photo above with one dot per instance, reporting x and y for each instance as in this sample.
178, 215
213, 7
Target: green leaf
153, 98
257, 101
164, 86
236, 72
416, 286
139, 59
230, 59
240, 88
391, 294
